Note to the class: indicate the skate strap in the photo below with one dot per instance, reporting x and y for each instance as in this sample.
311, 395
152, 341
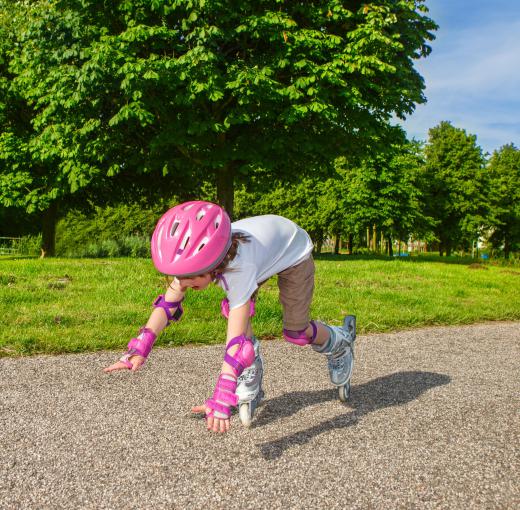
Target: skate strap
140, 346
224, 308
243, 357
160, 302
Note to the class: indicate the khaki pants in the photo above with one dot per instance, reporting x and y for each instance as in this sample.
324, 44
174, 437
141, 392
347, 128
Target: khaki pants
296, 286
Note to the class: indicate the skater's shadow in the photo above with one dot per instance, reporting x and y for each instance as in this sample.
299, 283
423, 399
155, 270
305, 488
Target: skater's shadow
392, 390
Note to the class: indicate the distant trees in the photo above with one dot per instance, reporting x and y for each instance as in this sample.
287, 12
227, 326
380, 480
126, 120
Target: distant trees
444, 192
504, 192
455, 186
380, 194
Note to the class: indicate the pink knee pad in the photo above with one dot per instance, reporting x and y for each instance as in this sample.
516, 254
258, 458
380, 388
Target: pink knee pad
244, 356
224, 308
299, 337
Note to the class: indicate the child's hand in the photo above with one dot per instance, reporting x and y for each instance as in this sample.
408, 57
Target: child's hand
213, 423
135, 360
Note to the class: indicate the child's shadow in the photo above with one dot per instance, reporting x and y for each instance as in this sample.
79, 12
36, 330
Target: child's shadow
391, 390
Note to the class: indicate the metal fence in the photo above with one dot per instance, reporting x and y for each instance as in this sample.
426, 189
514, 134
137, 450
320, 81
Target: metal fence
10, 245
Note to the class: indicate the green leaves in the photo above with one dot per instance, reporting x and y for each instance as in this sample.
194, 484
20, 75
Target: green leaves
116, 90
455, 184
504, 195
133, 111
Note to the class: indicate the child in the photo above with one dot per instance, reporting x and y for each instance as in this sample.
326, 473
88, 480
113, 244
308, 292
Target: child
197, 244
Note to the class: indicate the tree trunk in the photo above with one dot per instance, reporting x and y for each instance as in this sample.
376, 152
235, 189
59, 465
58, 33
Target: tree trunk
319, 241
336, 244
350, 243
49, 219
374, 238
507, 248
390, 248
226, 188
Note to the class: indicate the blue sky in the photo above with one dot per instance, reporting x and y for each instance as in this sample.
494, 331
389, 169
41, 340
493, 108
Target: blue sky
473, 73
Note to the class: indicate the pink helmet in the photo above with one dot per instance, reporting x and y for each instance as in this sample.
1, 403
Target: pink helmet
191, 239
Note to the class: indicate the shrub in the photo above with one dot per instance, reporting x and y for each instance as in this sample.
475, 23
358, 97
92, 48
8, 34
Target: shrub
30, 245
122, 231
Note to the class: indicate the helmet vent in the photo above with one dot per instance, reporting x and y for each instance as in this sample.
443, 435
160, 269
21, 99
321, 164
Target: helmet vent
174, 228
203, 243
185, 242
200, 215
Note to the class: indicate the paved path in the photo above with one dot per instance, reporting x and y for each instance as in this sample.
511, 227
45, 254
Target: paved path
433, 422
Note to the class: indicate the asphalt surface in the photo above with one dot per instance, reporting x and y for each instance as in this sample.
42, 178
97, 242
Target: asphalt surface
433, 422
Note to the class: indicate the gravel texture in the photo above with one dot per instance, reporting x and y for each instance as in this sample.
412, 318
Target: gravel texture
433, 422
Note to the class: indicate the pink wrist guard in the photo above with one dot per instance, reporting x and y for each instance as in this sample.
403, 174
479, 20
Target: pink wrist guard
223, 397
140, 346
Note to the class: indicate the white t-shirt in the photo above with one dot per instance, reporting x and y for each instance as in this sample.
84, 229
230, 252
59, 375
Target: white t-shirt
275, 244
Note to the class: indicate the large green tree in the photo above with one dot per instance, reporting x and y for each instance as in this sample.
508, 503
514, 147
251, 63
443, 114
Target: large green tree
186, 91
455, 186
504, 174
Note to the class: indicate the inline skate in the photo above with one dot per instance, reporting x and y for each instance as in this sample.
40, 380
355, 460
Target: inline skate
340, 355
249, 387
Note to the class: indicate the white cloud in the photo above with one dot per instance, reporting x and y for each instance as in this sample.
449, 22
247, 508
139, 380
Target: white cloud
473, 80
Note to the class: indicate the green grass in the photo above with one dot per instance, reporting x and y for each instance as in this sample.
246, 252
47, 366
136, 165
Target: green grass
75, 305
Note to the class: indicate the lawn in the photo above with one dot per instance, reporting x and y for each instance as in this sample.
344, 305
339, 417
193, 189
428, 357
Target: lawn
76, 305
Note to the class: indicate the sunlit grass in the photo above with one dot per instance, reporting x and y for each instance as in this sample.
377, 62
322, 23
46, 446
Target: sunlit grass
76, 305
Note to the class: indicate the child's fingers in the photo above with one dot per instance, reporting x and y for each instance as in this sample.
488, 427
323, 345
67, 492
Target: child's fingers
212, 424
220, 426
116, 366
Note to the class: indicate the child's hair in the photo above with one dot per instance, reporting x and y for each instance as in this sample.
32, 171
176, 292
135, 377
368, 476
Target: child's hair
236, 239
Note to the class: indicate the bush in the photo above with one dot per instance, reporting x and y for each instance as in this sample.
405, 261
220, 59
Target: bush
30, 245
130, 246
135, 246
122, 231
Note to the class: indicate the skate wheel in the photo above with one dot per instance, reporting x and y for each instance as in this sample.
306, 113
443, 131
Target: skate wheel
344, 392
244, 413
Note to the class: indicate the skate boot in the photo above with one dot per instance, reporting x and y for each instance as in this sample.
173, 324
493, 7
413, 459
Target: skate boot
340, 355
249, 387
